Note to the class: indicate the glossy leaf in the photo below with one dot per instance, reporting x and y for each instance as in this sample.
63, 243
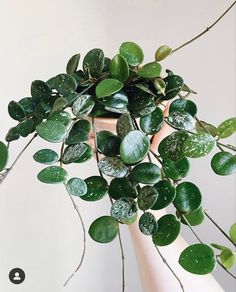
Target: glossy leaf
52, 175
123, 209
198, 145
153, 122
227, 258
119, 68
174, 84
124, 125
83, 105
93, 62
72, 64
46, 156
162, 52
73, 152
183, 105
150, 70
181, 120
160, 85
148, 224
224, 163
40, 90
107, 87
176, 170
132, 53
198, 259
113, 166
227, 128
134, 147
146, 173
3, 155
147, 197
166, 194
97, 188
77, 186
12, 134
28, 105
88, 154
108, 143
232, 232
51, 131
194, 218
79, 133
16, 111
206, 128
118, 100
121, 188
26, 127
62, 116
188, 197
168, 230
64, 84
104, 229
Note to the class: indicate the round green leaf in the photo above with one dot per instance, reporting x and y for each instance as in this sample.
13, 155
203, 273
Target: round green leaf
198, 259
198, 145
194, 218
46, 156
40, 90
153, 122
3, 155
28, 105
166, 194
227, 128
232, 232
64, 84
119, 68
108, 143
93, 62
51, 131
148, 224
121, 188
88, 154
181, 121
174, 84
12, 134
204, 127
188, 197
168, 230
77, 186
83, 105
73, 152
227, 258
118, 100
113, 166
162, 52
150, 70
16, 111
123, 209
146, 173
63, 117
97, 188
224, 163
132, 53
72, 64
176, 170
107, 87
52, 175
124, 125
80, 132
147, 197
26, 127
183, 105
104, 229
134, 147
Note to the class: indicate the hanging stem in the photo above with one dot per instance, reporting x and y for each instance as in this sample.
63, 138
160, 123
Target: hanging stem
217, 226
205, 31
231, 147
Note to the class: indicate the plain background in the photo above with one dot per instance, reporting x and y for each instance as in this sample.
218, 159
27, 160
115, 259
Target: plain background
39, 230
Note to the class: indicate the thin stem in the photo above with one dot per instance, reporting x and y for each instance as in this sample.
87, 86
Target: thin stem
84, 236
123, 259
190, 227
222, 266
156, 156
218, 226
231, 147
169, 267
206, 30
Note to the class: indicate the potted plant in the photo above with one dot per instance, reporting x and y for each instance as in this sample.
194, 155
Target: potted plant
116, 110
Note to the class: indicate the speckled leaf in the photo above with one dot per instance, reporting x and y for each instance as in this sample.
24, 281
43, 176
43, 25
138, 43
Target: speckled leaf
28, 105
124, 125
3, 155
227, 128
64, 84
88, 154
52, 175
119, 68
198, 259
118, 100
63, 117
107, 87
148, 224
174, 84
224, 163
132, 53
147, 197
97, 188
26, 127
168, 230
122, 188
73, 152
12, 134
16, 111
46, 156
40, 91
59, 104
176, 170
166, 194
51, 131
79, 133
150, 70
123, 209
181, 121
206, 128
153, 122
183, 105
83, 105
77, 186
162, 52
113, 166
93, 62
72, 64
146, 173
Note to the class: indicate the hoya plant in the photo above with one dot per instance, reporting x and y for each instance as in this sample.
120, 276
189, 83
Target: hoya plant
131, 174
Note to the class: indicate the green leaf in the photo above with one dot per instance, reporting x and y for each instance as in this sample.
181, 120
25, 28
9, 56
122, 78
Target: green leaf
3, 155
26, 127
198, 259
153, 122
162, 52
72, 64
183, 105
52, 175
171, 147
147, 197
150, 70
79, 133
223, 163
63, 117
97, 188
124, 125
40, 91
108, 143
206, 128
134, 147
28, 105
181, 121
83, 105
132, 53
73, 152
104, 229
121, 188
46, 156
198, 145
217, 246
51, 131
119, 68
174, 84
188, 197
176, 170
88, 154
16, 111
146, 173
227, 258
227, 128
12, 134
160, 85
232, 232
64, 84
194, 218
168, 230
123, 209
77, 187
148, 224
93, 62
118, 100
113, 166
166, 194
107, 87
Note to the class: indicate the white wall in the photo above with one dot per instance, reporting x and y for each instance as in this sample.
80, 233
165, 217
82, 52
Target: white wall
39, 229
